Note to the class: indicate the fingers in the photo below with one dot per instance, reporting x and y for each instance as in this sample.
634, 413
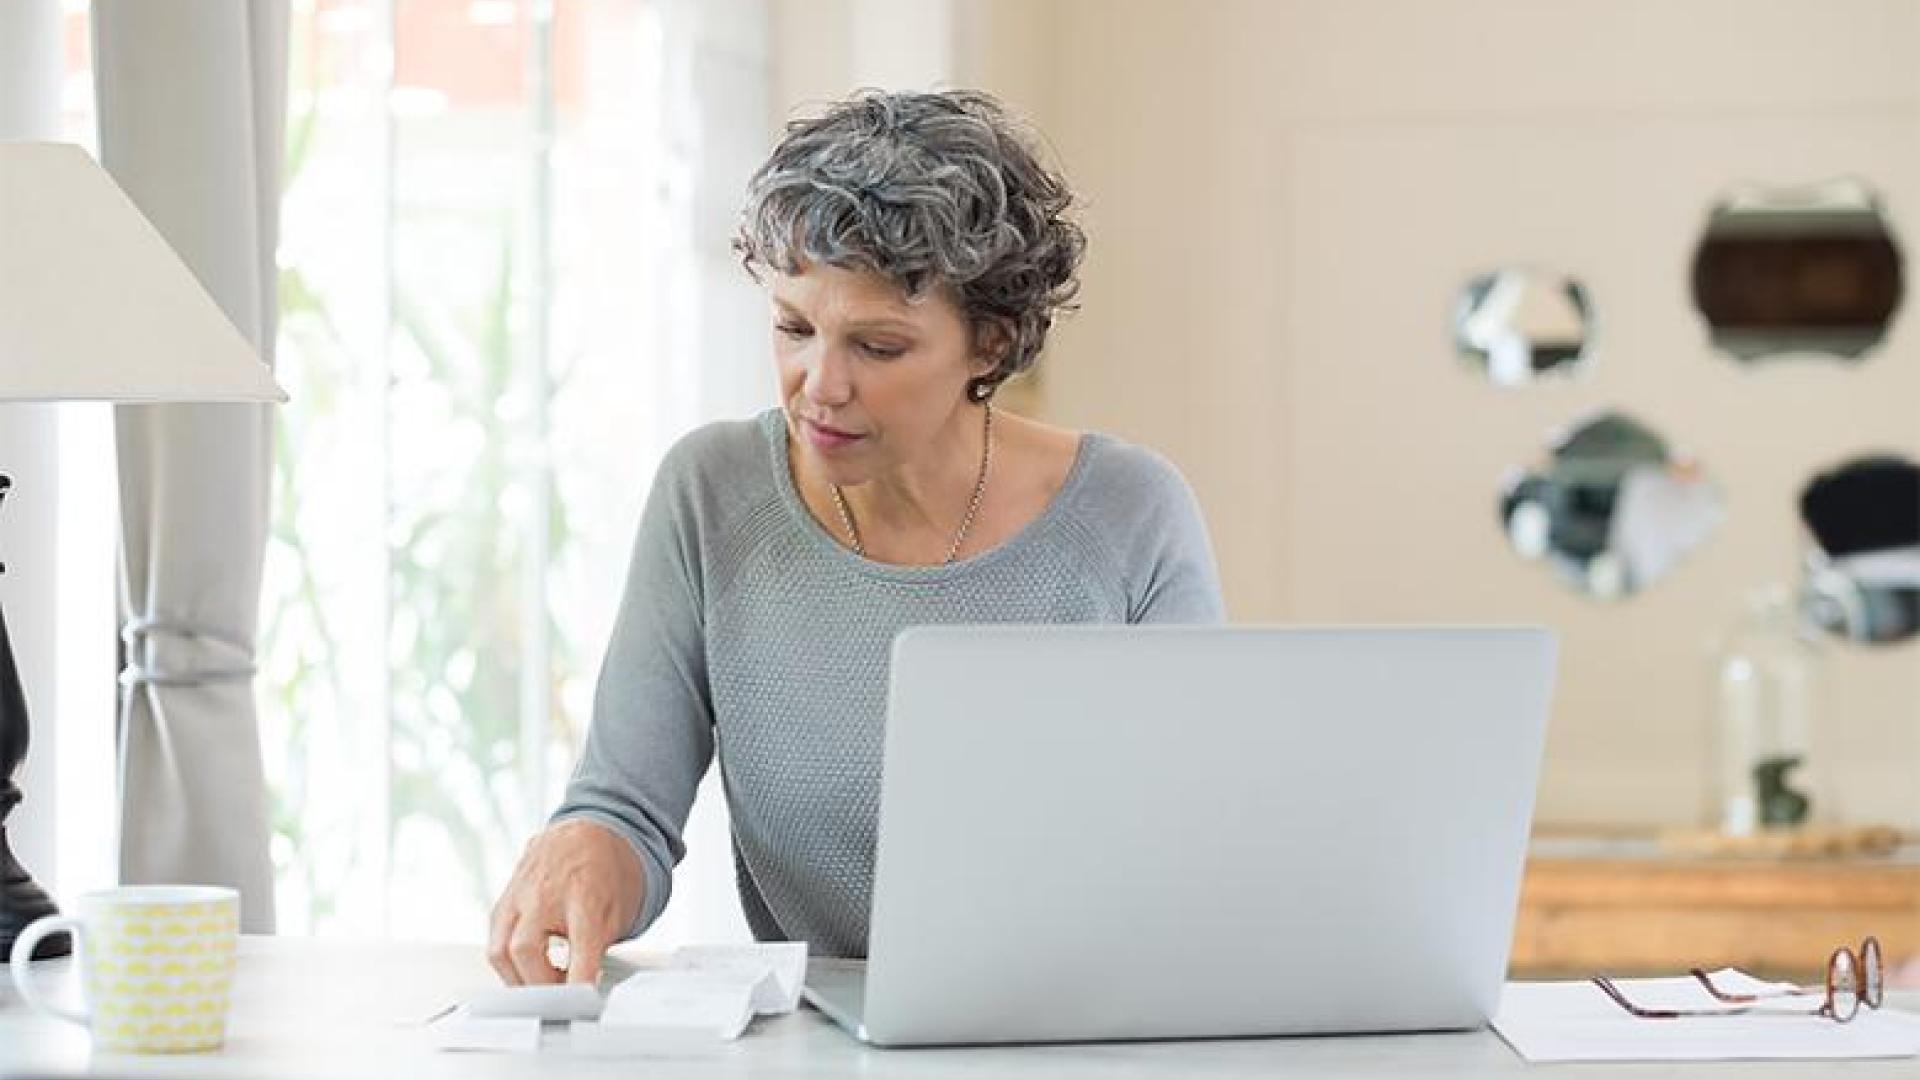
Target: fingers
527, 950
578, 881
499, 931
586, 965
517, 941
587, 939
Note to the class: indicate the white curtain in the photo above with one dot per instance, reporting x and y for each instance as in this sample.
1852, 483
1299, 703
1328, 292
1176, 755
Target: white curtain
191, 99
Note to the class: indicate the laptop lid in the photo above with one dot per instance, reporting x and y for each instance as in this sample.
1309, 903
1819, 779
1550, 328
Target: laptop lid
1103, 832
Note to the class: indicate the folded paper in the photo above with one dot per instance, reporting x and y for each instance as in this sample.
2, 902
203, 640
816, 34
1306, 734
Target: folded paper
703, 993
718, 1003
784, 964
717, 989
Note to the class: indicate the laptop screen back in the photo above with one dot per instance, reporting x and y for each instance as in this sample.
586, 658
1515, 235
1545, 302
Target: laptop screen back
1126, 832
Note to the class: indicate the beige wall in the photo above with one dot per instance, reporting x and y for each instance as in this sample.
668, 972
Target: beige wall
1285, 197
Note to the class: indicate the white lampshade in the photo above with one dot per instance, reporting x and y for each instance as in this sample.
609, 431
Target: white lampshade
94, 305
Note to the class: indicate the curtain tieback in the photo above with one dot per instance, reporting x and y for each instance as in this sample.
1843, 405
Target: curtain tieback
137, 631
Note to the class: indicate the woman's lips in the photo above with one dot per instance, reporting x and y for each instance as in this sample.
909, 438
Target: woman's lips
826, 438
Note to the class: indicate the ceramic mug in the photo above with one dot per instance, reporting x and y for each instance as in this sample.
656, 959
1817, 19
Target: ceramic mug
156, 966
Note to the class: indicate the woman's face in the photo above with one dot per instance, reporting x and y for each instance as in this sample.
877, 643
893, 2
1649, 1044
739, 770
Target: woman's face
872, 380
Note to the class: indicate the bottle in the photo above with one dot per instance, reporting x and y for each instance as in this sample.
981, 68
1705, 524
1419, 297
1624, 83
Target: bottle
1765, 706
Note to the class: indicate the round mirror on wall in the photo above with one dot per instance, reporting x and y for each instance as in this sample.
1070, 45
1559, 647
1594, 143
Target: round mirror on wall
1862, 575
1798, 271
1609, 511
1518, 325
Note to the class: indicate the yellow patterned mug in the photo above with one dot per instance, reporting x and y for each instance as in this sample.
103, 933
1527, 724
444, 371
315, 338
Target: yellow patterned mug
156, 965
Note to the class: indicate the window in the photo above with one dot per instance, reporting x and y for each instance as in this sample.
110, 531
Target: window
503, 253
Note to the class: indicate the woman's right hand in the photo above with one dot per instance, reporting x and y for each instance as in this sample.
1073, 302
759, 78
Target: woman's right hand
577, 880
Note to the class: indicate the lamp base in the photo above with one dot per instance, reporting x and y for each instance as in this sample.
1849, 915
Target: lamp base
22, 901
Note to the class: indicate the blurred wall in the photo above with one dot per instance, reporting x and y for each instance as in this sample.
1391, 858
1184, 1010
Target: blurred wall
1284, 200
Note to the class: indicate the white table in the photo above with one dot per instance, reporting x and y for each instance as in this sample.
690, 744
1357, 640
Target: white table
320, 1008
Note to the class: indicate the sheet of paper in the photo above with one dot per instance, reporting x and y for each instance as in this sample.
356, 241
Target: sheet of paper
591, 1039
704, 993
716, 1002
778, 969
461, 1030
573, 1001
1575, 1021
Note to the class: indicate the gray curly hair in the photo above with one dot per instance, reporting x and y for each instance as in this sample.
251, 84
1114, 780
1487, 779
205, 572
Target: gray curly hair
928, 190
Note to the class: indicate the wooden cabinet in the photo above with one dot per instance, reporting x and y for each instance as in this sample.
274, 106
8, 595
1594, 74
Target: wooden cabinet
1620, 909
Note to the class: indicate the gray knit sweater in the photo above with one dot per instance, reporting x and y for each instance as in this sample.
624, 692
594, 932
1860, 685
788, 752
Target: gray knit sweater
748, 631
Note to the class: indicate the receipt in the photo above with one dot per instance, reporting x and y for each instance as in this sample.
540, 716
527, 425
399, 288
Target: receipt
777, 969
711, 1001
710, 988
703, 993
569, 1001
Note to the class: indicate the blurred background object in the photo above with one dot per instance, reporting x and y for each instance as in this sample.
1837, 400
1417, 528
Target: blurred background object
1862, 579
1518, 325
1810, 271
1611, 512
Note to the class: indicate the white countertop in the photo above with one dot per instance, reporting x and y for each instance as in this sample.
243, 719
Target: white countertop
326, 1008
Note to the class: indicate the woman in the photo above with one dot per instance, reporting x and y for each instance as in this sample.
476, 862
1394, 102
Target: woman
916, 253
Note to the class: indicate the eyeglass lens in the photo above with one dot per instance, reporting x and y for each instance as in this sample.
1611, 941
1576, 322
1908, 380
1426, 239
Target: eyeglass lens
1872, 988
1843, 985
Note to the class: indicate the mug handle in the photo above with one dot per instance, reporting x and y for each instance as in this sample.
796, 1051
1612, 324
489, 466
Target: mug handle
23, 968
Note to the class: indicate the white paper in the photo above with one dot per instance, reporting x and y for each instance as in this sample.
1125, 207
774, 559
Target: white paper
716, 1002
1576, 1021
571, 1001
590, 1039
461, 1030
705, 993
778, 969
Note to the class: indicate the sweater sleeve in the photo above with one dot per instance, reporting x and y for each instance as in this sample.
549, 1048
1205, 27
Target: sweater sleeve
1167, 555
651, 736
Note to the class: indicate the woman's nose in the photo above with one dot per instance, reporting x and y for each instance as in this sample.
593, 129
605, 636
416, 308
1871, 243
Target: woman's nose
828, 381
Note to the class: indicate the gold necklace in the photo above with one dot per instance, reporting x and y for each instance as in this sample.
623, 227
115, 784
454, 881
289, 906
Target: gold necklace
973, 503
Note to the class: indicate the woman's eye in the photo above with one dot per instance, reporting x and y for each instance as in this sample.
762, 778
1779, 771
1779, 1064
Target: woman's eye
791, 330
883, 352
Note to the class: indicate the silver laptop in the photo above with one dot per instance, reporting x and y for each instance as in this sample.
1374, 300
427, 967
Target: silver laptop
1137, 833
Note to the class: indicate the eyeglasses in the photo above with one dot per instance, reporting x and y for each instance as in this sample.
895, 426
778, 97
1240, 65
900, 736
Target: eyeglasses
1851, 979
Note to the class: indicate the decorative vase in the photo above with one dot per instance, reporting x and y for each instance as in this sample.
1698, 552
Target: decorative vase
1765, 703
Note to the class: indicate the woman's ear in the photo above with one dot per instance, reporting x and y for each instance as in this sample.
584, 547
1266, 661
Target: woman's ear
992, 341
